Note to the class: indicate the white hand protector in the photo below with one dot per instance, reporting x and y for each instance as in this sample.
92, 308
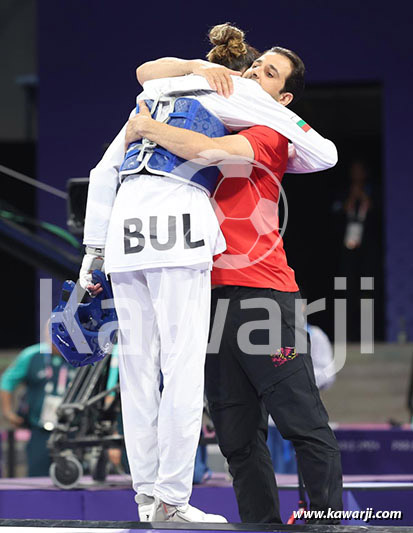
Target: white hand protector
92, 260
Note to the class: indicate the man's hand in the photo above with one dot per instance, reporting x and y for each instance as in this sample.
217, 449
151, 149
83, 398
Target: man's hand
14, 419
92, 260
137, 124
218, 76
6, 401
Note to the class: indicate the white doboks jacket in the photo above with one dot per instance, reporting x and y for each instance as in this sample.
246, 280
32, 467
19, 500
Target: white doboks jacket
144, 196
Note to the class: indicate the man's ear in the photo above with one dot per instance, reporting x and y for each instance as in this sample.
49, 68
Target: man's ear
285, 98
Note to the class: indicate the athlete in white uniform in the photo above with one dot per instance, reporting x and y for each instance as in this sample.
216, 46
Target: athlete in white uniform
160, 236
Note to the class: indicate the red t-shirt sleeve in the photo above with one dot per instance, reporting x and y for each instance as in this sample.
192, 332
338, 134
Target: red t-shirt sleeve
246, 237
270, 147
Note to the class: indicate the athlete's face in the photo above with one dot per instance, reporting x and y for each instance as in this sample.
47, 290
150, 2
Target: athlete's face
270, 71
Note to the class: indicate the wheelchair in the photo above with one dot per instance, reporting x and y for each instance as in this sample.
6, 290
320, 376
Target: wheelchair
86, 426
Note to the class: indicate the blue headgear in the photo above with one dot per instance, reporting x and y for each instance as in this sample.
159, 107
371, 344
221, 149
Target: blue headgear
84, 327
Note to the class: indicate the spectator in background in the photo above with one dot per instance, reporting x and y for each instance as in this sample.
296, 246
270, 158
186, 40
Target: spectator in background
45, 375
356, 206
322, 356
201, 471
360, 252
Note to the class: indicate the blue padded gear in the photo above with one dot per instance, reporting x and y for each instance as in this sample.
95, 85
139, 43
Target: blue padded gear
90, 318
189, 114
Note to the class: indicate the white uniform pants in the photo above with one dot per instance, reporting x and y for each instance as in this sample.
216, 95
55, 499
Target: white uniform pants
163, 323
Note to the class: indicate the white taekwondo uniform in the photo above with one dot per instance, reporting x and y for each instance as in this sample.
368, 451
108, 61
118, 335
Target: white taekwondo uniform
162, 294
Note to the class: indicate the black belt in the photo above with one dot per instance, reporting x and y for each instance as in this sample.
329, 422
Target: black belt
143, 171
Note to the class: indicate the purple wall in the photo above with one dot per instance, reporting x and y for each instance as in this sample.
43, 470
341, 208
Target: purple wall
88, 51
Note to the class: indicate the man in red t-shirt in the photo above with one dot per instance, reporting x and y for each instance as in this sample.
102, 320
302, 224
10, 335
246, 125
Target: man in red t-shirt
243, 383
256, 370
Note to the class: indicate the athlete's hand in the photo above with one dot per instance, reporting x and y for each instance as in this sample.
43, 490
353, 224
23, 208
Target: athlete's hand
218, 76
137, 124
92, 260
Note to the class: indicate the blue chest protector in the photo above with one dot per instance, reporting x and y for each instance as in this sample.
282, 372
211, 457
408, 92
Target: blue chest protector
189, 114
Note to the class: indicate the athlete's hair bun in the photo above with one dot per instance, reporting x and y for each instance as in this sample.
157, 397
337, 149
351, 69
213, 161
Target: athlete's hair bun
227, 40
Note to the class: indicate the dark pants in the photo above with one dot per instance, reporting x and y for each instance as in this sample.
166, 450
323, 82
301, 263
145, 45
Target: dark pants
38, 457
242, 387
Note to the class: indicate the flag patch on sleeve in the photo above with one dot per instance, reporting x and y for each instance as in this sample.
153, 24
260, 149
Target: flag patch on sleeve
303, 125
